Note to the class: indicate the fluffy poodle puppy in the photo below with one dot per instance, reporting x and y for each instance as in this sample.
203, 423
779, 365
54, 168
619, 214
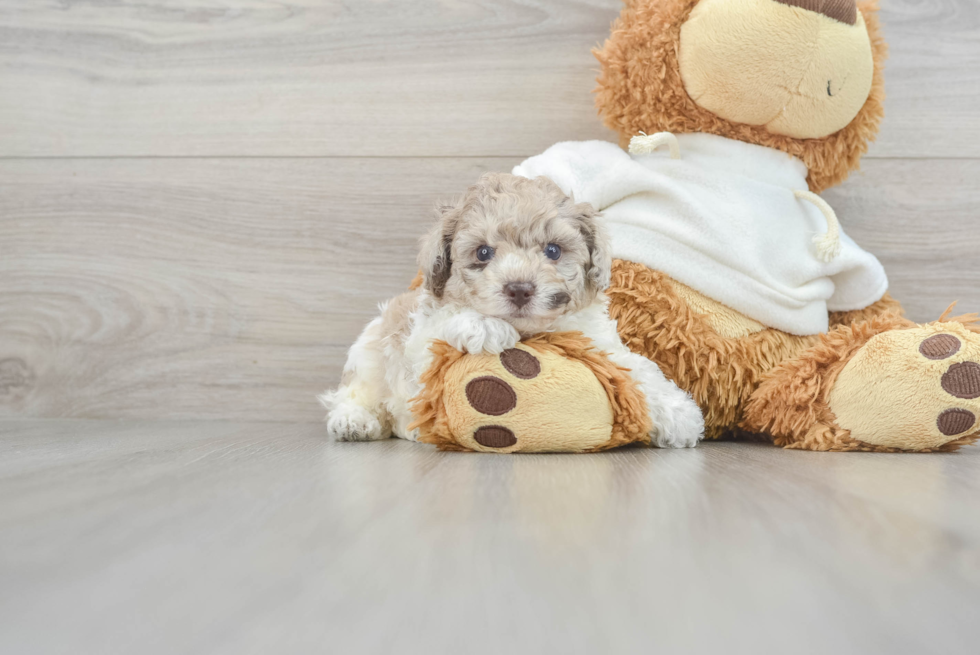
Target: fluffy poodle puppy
513, 257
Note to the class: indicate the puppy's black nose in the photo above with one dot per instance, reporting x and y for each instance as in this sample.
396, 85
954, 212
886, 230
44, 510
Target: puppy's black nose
520, 293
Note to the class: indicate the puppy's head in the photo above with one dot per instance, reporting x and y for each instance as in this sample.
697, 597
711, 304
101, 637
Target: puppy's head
519, 250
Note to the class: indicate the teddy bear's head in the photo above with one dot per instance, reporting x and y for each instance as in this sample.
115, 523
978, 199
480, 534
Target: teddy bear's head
802, 76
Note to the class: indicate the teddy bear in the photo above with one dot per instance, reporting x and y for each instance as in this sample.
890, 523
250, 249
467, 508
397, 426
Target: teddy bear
731, 272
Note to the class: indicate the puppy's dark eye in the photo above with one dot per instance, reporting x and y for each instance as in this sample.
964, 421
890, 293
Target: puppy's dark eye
484, 253
552, 251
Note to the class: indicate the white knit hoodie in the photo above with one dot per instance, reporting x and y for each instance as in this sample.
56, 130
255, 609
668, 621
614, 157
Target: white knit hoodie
723, 219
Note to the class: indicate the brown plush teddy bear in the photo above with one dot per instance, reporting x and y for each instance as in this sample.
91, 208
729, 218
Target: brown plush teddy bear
732, 274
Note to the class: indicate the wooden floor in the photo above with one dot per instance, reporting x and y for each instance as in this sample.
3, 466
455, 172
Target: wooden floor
195, 537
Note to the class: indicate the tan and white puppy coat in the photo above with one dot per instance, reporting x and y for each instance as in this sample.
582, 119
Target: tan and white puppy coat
512, 257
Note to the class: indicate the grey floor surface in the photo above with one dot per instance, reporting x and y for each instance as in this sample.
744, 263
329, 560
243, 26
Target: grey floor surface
197, 537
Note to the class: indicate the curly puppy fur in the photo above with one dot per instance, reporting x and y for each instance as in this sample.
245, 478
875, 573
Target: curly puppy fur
505, 230
640, 90
516, 218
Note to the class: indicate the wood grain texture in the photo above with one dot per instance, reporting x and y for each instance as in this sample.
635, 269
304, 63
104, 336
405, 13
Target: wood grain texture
200, 288
232, 538
919, 217
171, 281
299, 77
408, 78
932, 79
229, 288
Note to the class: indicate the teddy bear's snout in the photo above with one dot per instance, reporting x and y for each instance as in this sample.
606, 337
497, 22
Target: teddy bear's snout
844, 11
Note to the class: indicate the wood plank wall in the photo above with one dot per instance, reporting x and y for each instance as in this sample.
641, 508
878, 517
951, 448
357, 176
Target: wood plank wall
202, 201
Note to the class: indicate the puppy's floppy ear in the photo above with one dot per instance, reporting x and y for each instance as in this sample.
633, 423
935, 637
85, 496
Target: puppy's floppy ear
598, 270
435, 254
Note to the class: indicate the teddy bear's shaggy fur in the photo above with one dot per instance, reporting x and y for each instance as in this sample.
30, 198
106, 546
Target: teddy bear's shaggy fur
768, 381
721, 373
875, 381
640, 90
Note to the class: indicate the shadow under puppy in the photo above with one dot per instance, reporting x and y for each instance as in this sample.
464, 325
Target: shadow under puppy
513, 257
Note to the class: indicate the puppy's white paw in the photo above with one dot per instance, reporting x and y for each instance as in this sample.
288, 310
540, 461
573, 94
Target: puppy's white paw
677, 419
474, 333
499, 336
349, 422
681, 424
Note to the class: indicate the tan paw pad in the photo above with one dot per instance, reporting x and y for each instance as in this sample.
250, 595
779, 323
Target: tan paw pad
524, 400
914, 389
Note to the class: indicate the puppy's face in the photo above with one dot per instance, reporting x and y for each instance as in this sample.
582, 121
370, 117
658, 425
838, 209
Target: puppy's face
519, 250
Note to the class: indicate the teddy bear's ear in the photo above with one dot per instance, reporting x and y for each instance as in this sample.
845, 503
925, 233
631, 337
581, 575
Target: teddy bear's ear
435, 254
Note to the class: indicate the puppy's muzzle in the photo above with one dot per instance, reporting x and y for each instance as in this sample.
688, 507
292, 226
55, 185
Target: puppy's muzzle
560, 299
519, 293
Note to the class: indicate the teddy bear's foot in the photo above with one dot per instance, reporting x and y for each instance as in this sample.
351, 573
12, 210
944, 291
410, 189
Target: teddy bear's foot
553, 393
884, 385
915, 389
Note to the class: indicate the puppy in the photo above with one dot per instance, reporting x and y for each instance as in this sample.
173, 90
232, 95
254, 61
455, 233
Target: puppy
512, 257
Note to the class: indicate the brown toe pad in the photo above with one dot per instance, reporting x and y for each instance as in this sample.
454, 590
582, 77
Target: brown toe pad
495, 436
520, 363
491, 396
963, 380
956, 421
940, 346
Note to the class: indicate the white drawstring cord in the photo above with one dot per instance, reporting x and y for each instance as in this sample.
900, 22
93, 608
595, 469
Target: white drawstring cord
644, 144
828, 244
